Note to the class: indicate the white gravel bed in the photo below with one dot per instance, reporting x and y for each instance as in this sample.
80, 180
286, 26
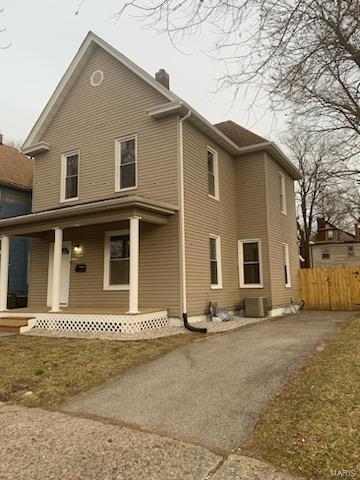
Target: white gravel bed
212, 326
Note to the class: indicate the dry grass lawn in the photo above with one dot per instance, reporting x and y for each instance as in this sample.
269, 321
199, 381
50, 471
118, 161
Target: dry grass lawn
313, 425
54, 369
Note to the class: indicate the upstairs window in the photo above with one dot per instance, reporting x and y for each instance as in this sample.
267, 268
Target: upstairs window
282, 193
126, 163
250, 264
70, 176
213, 176
215, 262
286, 263
330, 234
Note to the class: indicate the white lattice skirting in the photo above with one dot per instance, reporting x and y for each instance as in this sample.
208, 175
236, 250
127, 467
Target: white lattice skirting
91, 323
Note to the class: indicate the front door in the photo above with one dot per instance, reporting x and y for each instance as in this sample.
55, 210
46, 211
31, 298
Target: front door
65, 274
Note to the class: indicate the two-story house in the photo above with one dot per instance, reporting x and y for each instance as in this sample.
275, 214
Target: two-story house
143, 210
16, 171
334, 247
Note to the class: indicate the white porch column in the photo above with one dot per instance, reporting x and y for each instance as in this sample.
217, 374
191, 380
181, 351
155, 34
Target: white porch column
56, 279
4, 272
134, 265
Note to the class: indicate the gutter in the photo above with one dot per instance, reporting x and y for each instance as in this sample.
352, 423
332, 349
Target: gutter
276, 152
179, 107
16, 186
182, 229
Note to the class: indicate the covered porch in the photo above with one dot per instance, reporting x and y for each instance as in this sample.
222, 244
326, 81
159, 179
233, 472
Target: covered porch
90, 255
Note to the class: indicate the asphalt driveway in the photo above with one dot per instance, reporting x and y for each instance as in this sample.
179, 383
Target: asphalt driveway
212, 391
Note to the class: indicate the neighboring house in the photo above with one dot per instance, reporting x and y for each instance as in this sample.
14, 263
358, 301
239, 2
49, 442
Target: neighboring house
141, 205
333, 247
16, 170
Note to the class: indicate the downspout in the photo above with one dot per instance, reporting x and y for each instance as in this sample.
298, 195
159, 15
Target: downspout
182, 231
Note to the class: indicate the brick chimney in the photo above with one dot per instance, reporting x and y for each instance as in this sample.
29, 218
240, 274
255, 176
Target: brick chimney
321, 225
357, 232
163, 77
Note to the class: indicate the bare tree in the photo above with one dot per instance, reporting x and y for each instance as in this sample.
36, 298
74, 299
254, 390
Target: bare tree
304, 53
350, 198
329, 186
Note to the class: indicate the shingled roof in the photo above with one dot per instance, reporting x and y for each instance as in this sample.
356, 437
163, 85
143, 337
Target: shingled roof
15, 168
239, 135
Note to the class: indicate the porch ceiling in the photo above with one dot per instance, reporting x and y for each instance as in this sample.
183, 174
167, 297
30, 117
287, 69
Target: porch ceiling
103, 211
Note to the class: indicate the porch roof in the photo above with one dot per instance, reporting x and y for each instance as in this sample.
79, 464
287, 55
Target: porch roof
91, 213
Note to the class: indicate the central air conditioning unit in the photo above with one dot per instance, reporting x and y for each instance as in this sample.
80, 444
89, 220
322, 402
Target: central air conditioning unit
256, 307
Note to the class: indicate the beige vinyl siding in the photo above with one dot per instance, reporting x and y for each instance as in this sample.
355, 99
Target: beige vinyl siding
251, 213
204, 216
338, 255
158, 270
282, 229
90, 119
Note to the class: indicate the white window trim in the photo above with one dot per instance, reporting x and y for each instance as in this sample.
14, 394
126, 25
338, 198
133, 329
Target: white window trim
216, 173
117, 162
107, 285
283, 208
64, 156
328, 251
287, 260
241, 263
219, 285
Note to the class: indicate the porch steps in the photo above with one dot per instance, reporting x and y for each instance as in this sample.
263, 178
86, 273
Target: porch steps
13, 324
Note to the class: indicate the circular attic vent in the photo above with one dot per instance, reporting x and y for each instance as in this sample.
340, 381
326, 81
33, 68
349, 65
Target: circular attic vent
96, 78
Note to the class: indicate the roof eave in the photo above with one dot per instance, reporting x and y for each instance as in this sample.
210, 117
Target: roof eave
82, 208
33, 144
182, 108
278, 155
40, 147
75, 66
168, 109
16, 186
214, 133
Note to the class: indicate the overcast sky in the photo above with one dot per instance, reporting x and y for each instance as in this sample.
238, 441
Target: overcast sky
46, 34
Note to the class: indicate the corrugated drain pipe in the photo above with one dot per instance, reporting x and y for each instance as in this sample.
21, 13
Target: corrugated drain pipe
182, 231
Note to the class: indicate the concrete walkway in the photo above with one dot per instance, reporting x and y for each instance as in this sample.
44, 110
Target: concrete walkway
40, 445
211, 392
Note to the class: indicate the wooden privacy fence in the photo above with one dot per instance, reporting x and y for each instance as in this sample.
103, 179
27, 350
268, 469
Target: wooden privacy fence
332, 288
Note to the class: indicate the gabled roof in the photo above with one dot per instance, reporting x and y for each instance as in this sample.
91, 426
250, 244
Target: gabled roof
16, 169
239, 135
334, 227
33, 142
71, 74
249, 142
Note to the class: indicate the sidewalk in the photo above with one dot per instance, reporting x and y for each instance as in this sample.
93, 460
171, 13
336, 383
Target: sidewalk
46, 445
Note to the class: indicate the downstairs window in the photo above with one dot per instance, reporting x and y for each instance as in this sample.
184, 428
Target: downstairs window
117, 260
250, 267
